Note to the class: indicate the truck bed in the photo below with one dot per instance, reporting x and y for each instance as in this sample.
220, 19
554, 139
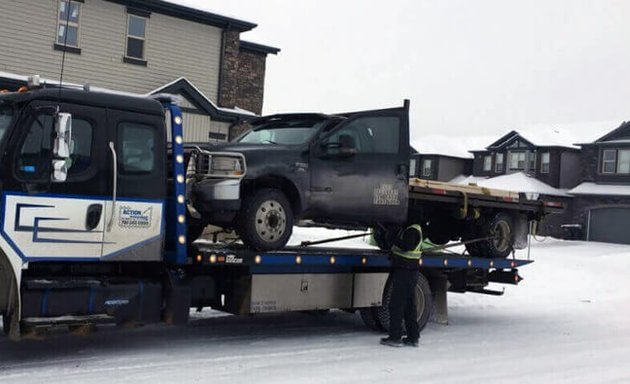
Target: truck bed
476, 196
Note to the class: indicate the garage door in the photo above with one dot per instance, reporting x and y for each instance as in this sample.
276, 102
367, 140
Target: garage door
611, 225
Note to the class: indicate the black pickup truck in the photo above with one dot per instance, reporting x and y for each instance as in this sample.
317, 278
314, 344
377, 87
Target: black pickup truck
347, 170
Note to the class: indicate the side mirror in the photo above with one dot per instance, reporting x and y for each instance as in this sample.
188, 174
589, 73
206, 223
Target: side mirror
63, 135
59, 170
61, 147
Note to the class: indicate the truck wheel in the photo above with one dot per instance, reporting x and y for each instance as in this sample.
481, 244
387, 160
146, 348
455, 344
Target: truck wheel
500, 226
368, 315
424, 304
266, 220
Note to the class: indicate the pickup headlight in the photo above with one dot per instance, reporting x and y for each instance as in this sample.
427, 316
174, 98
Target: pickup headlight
226, 166
217, 164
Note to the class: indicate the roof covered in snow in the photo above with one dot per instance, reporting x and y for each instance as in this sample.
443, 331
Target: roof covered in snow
558, 135
433, 144
601, 189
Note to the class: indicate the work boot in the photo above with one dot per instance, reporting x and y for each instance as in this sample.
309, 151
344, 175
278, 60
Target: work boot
410, 343
391, 342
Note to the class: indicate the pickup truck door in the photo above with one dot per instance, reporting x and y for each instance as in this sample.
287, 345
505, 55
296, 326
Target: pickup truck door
135, 202
55, 221
359, 169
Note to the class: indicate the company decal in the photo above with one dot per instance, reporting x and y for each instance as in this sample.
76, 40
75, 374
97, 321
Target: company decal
135, 218
386, 194
232, 259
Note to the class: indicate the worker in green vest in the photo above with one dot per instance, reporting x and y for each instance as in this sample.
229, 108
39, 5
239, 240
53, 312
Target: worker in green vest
404, 274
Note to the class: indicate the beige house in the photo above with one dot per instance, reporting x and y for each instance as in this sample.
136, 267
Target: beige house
143, 47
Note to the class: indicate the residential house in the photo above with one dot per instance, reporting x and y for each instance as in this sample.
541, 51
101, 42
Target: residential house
601, 204
439, 158
140, 47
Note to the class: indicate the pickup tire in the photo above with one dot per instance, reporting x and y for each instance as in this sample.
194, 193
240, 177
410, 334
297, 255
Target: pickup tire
501, 226
266, 220
424, 304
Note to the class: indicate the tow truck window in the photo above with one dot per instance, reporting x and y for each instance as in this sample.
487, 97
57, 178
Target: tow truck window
281, 132
137, 142
36, 150
369, 135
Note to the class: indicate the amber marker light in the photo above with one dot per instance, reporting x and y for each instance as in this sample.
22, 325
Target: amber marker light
364, 260
198, 258
213, 259
257, 259
332, 260
298, 259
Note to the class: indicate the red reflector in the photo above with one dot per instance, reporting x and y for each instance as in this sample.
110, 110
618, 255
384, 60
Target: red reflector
221, 259
438, 191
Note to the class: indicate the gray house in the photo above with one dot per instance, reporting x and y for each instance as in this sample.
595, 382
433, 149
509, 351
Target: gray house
601, 204
142, 47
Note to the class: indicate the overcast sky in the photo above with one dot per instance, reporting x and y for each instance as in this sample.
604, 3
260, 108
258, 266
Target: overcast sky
470, 67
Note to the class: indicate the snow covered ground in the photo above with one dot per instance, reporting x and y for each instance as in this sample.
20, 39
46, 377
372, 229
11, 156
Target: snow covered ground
568, 321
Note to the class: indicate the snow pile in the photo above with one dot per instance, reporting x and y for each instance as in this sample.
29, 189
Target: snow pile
521, 182
467, 180
601, 189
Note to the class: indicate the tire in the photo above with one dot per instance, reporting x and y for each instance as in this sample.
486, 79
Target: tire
424, 303
368, 315
266, 220
502, 226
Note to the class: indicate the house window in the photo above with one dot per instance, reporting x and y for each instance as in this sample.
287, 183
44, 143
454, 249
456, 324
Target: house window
498, 167
544, 162
623, 161
609, 161
427, 165
136, 37
68, 23
487, 163
517, 160
532, 161
412, 168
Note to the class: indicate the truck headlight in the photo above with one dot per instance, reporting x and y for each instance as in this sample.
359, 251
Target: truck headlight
226, 166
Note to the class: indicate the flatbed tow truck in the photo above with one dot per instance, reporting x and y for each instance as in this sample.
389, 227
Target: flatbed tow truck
94, 228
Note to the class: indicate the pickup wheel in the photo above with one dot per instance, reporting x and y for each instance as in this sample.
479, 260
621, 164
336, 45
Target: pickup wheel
501, 227
266, 220
424, 304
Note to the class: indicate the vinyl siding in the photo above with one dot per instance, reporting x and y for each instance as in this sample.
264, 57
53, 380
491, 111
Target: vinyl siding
174, 47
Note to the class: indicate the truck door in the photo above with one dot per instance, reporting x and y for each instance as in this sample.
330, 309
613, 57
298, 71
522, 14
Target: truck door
50, 221
359, 170
135, 201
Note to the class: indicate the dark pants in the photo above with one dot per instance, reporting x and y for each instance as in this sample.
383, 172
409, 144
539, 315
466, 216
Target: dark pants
403, 303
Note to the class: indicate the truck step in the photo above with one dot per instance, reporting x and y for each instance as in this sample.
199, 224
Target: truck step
36, 322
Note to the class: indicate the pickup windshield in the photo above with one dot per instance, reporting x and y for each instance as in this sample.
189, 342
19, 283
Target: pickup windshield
281, 132
6, 116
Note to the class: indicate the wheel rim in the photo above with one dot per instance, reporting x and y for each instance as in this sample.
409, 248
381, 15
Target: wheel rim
271, 221
502, 233
420, 303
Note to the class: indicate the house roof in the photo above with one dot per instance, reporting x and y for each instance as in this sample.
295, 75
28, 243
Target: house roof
183, 86
557, 135
589, 188
259, 48
184, 10
454, 146
521, 182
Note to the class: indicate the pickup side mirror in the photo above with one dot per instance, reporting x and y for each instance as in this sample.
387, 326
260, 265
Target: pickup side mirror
61, 146
345, 147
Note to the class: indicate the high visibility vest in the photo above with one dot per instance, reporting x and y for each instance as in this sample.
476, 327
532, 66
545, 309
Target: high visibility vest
416, 252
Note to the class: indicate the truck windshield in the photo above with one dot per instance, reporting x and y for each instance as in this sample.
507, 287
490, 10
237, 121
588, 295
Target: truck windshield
6, 116
281, 132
